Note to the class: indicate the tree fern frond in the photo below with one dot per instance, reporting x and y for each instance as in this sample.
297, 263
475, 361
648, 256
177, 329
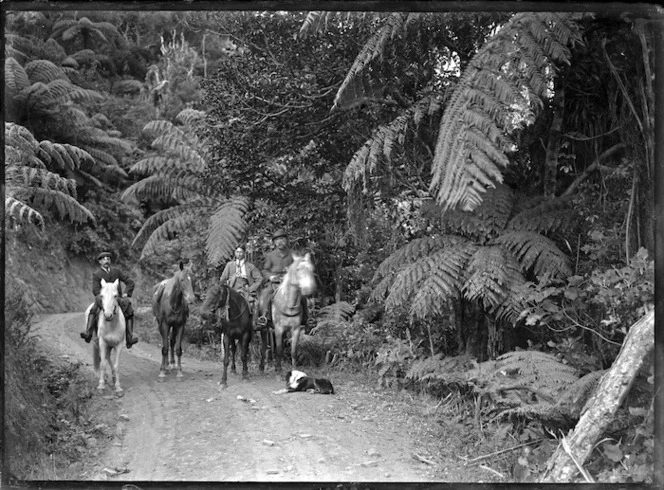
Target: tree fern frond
67, 207
340, 311
431, 297
227, 226
176, 225
372, 49
538, 252
463, 167
414, 250
440, 273
16, 79
553, 215
493, 280
577, 394
158, 164
190, 156
22, 212
193, 210
190, 116
101, 156
44, 71
483, 224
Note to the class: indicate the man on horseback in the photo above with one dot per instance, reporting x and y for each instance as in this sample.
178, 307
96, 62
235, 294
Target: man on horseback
244, 277
110, 274
276, 265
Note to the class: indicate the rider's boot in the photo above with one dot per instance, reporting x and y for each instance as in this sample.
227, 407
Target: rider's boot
89, 328
129, 333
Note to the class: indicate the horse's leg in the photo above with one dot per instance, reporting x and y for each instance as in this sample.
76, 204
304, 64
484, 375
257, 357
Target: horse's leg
163, 329
233, 347
294, 338
224, 376
173, 339
103, 363
246, 340
178, 348
116, 366
278, 348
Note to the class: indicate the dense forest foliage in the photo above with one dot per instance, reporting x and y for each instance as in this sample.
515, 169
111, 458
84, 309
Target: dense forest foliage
476, 189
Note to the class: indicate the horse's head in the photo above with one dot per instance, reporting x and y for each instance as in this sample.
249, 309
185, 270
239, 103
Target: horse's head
303, 274
185, 282
109, 297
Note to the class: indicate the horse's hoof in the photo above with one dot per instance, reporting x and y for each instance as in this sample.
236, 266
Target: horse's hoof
119, 392
222, 385
101, 387
179, 375
162, 374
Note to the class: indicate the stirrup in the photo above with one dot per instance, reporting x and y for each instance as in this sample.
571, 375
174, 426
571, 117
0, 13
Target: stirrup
87, 337
133, 340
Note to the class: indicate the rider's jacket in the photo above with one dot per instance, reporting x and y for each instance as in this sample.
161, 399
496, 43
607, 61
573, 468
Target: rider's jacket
277, 262
110, 276
231, 277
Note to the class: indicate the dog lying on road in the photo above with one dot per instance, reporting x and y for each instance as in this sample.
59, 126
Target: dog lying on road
299, 381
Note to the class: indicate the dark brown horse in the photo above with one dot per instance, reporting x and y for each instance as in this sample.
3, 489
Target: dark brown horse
170, 306
234, 316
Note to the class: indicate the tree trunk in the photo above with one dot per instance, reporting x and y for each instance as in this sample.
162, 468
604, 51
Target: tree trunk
555, 135
601, 408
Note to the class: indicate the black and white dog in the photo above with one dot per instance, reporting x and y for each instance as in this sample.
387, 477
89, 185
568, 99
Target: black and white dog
299, 381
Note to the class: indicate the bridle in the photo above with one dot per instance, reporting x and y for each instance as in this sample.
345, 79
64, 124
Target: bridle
227, 303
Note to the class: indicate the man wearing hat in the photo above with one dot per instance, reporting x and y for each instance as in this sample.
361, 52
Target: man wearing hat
243, 276
110, 274
276, 265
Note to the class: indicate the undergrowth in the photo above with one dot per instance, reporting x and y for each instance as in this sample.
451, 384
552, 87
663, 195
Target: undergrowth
51, 424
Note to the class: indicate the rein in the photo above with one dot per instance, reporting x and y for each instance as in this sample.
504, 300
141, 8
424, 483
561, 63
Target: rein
227, 303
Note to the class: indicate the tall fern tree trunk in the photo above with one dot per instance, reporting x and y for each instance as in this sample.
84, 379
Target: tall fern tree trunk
555, 136
472, 331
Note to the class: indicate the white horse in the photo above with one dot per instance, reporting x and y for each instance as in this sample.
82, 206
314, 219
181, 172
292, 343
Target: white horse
110, 335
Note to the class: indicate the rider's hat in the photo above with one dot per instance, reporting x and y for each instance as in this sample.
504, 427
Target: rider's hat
279, 233
102, 255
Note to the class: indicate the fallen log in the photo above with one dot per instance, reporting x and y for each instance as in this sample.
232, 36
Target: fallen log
600, 410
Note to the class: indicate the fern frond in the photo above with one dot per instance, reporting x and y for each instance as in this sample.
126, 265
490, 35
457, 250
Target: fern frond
27, 178
22, 212
348, 92
67, 207
536, 252
192, 211
442, 272
338, 312
16, 79
431, 297
190, 116
576, 395
44, 71
163, 188
227, 226
412, 251
465, 164
553, 215
101, 156
486, 222
493, 280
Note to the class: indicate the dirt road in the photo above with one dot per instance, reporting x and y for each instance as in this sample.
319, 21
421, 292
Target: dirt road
193, 430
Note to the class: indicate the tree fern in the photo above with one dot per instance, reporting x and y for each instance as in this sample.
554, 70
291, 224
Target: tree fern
31, 187
493, 280
227, 225
537, 252
472, 146
174, 175
44, 71
552, 215
373, 48
412, 251
386, 138
430, 281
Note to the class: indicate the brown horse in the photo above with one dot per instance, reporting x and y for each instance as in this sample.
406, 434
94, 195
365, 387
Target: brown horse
298, 281
170, 306
234, 316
